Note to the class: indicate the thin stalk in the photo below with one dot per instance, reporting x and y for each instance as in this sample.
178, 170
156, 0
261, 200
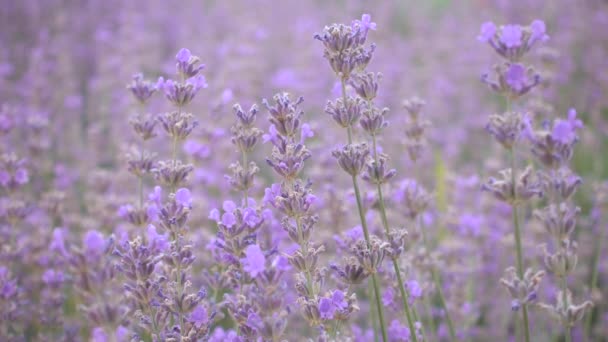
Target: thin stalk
378, 295
438, 287
518, 248
372, 313
564, 288
404, 295
594, 277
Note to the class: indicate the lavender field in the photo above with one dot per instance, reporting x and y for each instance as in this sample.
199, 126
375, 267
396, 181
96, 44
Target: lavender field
265, 170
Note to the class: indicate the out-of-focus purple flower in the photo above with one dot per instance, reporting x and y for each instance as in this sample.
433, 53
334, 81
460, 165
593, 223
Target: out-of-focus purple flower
251, 217
94, 243
270, 194
156, 196
214, 215
326, 308
538, 32
307, 132
197, 149
124, 210
388, 296
220, 335
516, 76
470, 224
52, 278
398, 331
99, 335
199, 316
58, 241
229, 206
511, 36
488, 30
414, 289
228, 219
564, 131
21, 176
157, 241
183, 56
272, 135
254, 261
366, 23
183, 197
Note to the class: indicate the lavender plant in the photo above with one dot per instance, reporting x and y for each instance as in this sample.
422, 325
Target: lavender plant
146, 215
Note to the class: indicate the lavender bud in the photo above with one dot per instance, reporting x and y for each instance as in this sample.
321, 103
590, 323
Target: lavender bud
178, 125
373, 121
144, 125
524, 291
370, 256
565, 311
172, 173
352, 158
242, 179
558, 220
285, 114
345, 114
187, 64
141, 89
506, 128
527, 186
140, 163
351, 272
512, 80
563, 261
376, 172
366, 85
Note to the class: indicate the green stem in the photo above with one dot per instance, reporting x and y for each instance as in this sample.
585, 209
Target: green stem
564, 288
404, 295
378, 295
594, 278
518, 247
245, 168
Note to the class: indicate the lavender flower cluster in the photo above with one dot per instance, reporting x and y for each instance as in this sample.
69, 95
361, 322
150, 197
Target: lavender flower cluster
140, 201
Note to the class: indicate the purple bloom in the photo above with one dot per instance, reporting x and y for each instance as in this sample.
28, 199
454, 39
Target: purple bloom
58, 241
99, 335
414, 289
511, 36
94, 243
157, 241
307, 132
51, 277
254, 261
214, 215
183, 55
183, 197
326, 308
199, 316
488, 30
228, 219
124, 210
366, 23
228, 206
516, 77
538, 32
21, 176
156, 196
564, 131
250, 217
271, 135
388, 296
398, 331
